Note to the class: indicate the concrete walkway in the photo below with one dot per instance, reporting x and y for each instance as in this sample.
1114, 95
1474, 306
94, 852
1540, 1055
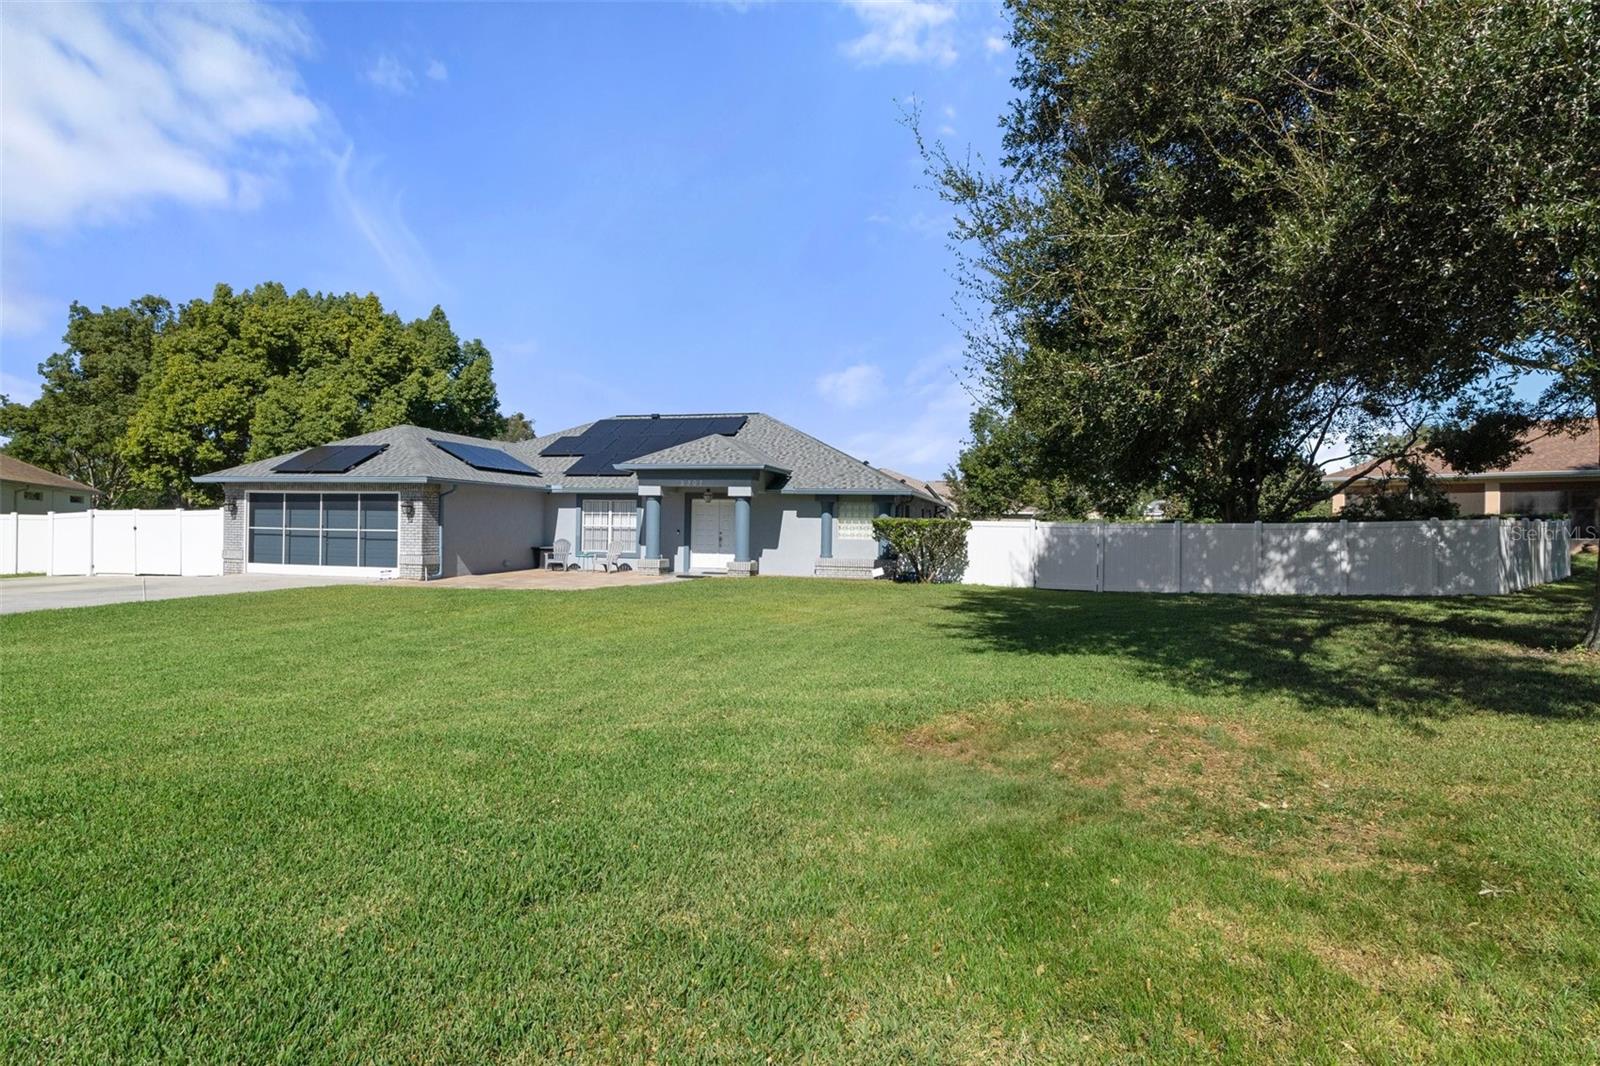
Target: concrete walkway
19, 594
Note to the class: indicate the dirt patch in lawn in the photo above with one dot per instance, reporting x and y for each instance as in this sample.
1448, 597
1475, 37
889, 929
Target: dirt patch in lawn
963, 738
1213, 783
1255, 942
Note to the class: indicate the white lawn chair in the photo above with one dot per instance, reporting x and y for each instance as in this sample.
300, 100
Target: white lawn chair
560, 557
612, 562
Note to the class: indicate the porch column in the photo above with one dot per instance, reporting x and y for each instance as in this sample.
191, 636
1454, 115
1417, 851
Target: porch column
652, 527
827, 526
741, 529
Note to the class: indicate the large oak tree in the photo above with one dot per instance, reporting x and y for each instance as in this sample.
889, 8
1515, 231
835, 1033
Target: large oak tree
1230, 244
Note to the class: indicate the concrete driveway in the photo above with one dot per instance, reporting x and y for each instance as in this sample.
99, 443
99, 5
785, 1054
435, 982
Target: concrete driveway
19, 594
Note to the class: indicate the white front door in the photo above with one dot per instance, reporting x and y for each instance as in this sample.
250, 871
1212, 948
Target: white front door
710, 533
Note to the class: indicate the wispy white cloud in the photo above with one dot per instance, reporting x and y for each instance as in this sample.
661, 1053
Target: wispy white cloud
918, 223
995, 43
852, 386
903, 31
107, 109
931, 422
376, 211
391, 75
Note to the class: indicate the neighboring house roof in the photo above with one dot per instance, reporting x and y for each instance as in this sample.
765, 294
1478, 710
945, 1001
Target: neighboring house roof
762, 442
1549, 454
928, 489
14, 469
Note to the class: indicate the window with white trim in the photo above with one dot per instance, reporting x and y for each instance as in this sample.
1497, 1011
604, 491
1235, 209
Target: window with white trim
607, 522
324, 529
854, 520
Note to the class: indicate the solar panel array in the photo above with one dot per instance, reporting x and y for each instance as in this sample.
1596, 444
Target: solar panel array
329, 459
616, 440
480, 458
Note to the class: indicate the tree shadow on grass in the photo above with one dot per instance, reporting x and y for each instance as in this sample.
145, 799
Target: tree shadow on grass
1422, 658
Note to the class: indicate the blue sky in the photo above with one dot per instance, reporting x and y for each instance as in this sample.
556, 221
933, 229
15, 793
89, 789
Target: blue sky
662, 207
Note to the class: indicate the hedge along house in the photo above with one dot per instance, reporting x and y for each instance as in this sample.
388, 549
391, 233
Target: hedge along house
730, 493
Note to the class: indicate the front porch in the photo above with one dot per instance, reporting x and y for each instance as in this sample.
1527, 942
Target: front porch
743, 527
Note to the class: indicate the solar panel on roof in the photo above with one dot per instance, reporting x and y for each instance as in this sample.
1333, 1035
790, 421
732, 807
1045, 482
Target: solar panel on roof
329, 459
480, 458
616, 440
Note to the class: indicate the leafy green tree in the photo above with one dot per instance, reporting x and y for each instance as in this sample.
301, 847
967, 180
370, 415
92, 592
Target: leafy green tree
1517, 88
247, 375
998, 474
1221, 243
519, 427
89, 393
1213, 253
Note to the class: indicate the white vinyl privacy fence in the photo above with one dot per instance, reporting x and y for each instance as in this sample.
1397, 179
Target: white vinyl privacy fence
188, 543
1434, 558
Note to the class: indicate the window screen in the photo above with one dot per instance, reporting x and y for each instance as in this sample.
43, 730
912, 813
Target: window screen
324, 529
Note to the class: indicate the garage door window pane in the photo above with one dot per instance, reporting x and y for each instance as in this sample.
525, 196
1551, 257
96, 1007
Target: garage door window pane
301, 547
339, 548
340, 512
266, 546
378, 512
304, 511
266, 510
378, 549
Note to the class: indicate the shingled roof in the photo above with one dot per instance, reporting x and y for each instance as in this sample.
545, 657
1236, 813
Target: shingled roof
409, 457
14, 469
1550, 453
763, 442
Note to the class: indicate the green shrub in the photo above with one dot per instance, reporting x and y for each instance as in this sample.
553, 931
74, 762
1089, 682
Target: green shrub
929, 549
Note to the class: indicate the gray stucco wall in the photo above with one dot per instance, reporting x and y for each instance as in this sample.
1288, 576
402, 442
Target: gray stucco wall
488, 530
786, 534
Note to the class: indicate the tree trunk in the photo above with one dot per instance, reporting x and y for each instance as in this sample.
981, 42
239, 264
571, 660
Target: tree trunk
1592, 641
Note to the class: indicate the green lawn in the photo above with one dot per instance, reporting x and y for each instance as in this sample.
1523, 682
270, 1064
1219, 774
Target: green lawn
805, 819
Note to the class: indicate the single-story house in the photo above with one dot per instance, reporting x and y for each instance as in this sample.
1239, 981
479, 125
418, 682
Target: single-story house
29, 489
729, 493
1558, 474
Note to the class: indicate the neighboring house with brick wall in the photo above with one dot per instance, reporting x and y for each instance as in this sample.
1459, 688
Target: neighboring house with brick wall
29, 489
1558, 474
723, 493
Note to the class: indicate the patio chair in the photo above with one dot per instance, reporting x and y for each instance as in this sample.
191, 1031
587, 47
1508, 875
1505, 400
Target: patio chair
612, 562
560, 557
